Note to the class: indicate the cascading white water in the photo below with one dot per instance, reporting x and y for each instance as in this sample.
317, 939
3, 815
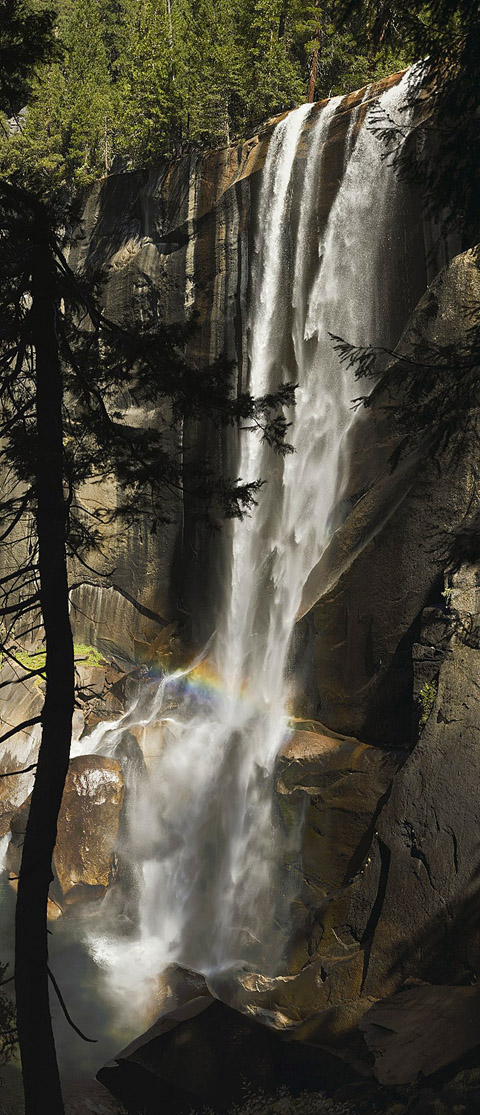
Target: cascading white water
202, 826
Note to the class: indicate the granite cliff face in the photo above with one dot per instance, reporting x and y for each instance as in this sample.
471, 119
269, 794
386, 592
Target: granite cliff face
381, 763
181, 238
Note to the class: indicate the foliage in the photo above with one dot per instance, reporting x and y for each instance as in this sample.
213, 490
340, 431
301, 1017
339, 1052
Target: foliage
425, 26
26, 40
34, 661
71, 112
138, 80
90, 656
426, 701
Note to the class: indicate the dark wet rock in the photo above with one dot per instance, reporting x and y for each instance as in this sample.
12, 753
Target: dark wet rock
196, 1057
205, 1055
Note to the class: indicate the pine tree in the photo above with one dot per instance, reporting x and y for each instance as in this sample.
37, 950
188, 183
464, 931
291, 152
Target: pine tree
66, 136
144, 79
26, 40
274, 77
151, 111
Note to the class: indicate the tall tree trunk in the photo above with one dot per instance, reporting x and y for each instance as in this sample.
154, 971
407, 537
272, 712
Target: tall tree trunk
312, 80
39, 1062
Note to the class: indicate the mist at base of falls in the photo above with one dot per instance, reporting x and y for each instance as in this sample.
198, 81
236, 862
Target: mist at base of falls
209, 867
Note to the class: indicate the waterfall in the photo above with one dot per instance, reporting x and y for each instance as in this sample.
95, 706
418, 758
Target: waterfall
203, 829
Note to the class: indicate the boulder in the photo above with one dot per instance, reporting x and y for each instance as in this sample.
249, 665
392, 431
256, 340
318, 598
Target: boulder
204, 1055
89, 678
175, 987
84, 856
421, 1030
201, 1054
338, 785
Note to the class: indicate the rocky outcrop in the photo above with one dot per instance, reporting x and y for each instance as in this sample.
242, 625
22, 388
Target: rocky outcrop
84, 858
205, 1055
386, 563
339, 786
390, 851
424, 858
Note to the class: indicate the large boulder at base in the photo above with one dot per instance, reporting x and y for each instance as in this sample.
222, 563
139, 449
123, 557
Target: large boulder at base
206, 1056
84, 856
196, 1057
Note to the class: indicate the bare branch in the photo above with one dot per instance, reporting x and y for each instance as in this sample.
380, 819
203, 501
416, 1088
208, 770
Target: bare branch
65, 1011
20, 727
26, 770
23, 507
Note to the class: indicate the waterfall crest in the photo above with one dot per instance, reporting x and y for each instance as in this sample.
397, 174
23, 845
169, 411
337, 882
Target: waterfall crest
203, 830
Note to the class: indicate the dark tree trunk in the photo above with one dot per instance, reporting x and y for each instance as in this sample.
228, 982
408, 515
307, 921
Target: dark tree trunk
313, 77
39, 1063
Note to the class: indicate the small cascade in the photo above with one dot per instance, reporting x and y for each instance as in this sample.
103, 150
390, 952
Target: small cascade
203, 831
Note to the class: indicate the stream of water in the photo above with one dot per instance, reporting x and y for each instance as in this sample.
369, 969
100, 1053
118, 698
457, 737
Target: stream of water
203, 834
